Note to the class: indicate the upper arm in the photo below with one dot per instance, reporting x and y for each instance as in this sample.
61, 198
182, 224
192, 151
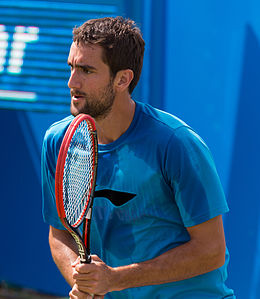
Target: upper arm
48, 168
64, 252
192, 175
62, 244
57, 236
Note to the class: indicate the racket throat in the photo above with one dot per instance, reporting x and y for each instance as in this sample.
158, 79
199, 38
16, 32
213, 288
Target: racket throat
86, 231
88, 216
84, 256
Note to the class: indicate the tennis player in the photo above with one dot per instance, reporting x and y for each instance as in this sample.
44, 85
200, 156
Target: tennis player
157, 227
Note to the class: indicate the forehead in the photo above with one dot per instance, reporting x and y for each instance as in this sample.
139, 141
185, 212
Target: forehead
85, 53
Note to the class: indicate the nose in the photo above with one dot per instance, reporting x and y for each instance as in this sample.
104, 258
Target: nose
74, 81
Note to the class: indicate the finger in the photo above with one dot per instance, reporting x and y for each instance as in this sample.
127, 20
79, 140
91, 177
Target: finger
81, 275
83, 278
72, 293
81, 296
86, 286
75, 293
84, 268
90, 287
76, 262
95, 258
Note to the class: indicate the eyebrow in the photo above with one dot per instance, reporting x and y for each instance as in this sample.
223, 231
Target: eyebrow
83, 66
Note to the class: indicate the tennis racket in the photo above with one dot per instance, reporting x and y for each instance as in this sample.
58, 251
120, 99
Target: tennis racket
75, 181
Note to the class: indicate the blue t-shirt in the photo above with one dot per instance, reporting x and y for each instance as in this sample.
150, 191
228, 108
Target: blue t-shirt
152, 182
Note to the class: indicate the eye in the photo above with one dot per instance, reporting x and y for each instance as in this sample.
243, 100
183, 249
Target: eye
85, 70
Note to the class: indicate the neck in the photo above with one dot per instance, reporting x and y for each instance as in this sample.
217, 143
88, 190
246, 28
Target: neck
117, 121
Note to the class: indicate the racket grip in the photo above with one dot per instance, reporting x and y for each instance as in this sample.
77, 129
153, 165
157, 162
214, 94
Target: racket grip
87, 260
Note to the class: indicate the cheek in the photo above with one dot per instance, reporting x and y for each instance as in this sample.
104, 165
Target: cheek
89, 84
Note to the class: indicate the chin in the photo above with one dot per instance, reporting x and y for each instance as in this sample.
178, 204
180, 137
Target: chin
74, 111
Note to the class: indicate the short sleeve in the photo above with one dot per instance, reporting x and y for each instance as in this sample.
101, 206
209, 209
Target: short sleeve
193, 176
48, 166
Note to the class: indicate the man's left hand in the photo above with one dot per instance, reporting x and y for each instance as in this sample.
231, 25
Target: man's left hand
94, 278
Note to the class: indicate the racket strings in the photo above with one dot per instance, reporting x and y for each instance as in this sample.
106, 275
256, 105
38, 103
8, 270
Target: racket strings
78, 174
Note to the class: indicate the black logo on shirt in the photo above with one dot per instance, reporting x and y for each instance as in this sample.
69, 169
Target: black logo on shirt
117, 198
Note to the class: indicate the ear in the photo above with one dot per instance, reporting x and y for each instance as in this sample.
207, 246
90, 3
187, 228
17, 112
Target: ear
123, 79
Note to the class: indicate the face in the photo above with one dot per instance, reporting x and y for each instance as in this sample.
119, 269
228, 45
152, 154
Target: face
91, 85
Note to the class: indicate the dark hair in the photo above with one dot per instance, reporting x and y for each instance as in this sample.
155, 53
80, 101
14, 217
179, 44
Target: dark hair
121, 40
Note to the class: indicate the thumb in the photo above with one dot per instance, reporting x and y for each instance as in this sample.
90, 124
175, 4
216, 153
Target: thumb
95, 258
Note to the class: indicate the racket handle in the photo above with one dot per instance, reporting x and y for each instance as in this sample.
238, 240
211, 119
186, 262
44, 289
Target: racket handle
87, 261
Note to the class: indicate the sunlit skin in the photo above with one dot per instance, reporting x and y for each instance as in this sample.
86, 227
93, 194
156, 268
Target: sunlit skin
90, 83
94, 91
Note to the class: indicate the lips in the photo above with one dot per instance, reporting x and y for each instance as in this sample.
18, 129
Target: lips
76, 97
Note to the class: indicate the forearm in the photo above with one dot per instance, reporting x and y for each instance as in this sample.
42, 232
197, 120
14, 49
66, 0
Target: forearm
204, 252
64, 252
183, 262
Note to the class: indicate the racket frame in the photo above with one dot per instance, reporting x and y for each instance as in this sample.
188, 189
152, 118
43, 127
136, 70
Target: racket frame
83, 242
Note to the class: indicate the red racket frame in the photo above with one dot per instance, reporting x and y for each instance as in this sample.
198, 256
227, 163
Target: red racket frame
83, 243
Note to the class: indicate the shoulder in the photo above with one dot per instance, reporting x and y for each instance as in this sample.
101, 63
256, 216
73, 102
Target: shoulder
55, 133
58, 129
165, 126
159, 118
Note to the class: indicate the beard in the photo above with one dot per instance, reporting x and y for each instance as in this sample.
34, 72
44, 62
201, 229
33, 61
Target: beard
96, 105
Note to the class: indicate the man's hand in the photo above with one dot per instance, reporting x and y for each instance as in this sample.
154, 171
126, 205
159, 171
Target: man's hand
76, 294
93, 278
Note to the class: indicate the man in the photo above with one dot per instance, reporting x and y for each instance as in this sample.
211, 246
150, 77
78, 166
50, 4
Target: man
157, 228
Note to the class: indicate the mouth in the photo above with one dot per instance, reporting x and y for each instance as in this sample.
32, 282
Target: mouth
77, 98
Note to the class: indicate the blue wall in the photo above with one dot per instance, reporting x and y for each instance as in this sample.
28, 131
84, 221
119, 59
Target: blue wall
212, 81
202, 64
